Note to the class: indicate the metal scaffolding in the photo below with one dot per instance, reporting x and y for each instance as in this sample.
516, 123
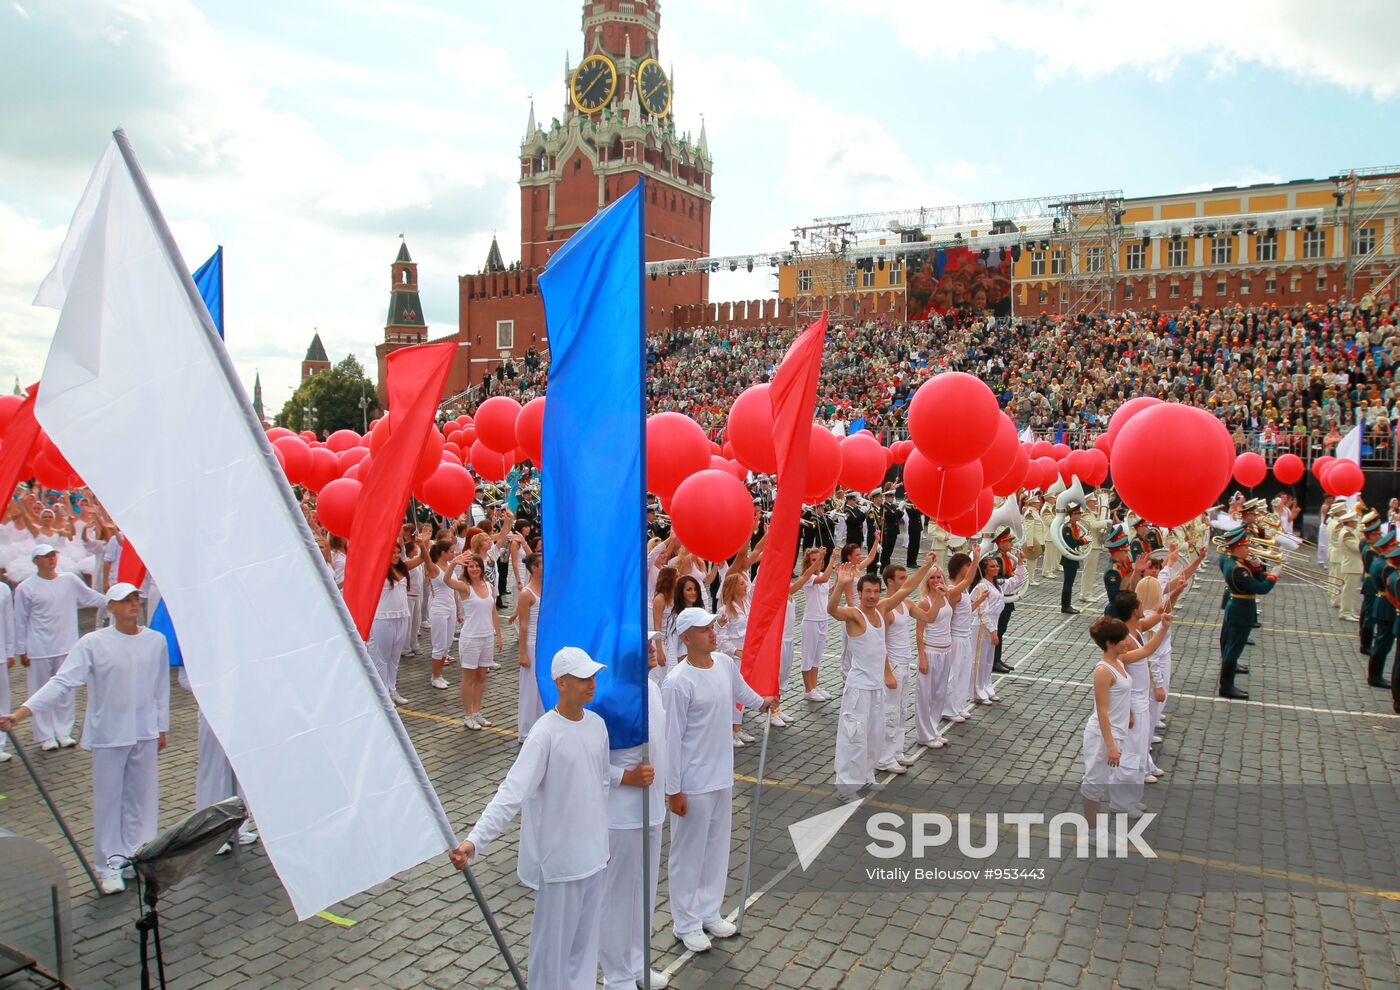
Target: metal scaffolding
1370, 195
929, 218
1091, 231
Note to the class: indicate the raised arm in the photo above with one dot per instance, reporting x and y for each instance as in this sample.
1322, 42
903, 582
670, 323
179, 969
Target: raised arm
1150, 647
913, 581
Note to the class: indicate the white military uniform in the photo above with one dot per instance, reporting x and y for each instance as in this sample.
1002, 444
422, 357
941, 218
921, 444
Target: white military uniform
620, 942
699, 739
46, 627
1347, 553
128, 707
1096, 531
561, 776
860, 728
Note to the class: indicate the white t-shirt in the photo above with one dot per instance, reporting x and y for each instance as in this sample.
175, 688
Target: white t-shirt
625, 803
46, 613
699, 706
128, 683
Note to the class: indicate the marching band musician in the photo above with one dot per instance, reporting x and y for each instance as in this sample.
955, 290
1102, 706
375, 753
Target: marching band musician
1334, 553
851, 528
1050, 559
915, 532
1376, 540
1392, 592
1010, 562
1242, 587
1123, 572
1033, 546
890, 522
1074, 539
1384, 610
1096, 525
1145, 538
1348, 554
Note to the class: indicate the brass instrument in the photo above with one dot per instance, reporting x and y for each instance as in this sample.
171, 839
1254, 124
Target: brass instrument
1264, 553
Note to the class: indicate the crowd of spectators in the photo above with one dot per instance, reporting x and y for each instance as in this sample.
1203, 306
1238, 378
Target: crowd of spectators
1279, 378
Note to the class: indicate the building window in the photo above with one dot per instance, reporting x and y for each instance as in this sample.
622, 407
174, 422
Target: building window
1128, 290
1174, 291
1197, 288
1220, 287
804, 280
1222, 250
1270, 284
1044, 297
1321, 281
867, 278
1152, 289
1314, 244
1179, 254
1244, 285
848, 278
896, 271
1093, 259
505, 335
1266, 246
1295, 283
1364, 241
1136, 259
1037, 263
1057, 261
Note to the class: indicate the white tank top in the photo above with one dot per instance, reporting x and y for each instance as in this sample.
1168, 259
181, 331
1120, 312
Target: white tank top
961, 621
534, 619
440, 599
867, 656
1119, 704
938, 634
815, 608
393, 601
477, 613
731, 634
897, 635
1141, 677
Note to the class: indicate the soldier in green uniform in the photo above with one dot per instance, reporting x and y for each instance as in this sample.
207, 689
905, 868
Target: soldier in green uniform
1375, 541
1242, 587
1122, 574
1074, 539
1382, 573
1145, 538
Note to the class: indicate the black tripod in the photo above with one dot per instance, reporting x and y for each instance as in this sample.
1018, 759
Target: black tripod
149, 927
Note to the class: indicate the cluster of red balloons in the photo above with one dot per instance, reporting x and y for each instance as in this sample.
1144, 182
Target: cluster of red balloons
1338, 477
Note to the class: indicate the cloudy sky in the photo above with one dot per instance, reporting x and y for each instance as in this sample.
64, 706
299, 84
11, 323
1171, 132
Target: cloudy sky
306, 136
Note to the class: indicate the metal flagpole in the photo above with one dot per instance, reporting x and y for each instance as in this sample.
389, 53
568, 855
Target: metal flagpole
53, 810
753, 822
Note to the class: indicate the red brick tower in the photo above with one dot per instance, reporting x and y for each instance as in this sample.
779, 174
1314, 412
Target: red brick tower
617, 125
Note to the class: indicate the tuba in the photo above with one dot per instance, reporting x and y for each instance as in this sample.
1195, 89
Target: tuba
1064, 501
1007, 514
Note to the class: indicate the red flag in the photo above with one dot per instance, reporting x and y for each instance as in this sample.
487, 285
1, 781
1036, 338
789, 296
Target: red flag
20, 438
415, 379
131, 568
794, 395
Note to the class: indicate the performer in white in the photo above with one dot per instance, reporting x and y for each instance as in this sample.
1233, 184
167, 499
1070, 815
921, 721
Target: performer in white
46, 627
561, 776
699, 695
900, 651
530, 706
127, 672
814, 620
987, 603
620, 943
7, 660
860, 728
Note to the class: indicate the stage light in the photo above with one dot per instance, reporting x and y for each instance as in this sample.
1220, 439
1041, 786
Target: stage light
1340, 197
881, 264
733, 266
1145, 239
1015, 253
749, 266
653, 276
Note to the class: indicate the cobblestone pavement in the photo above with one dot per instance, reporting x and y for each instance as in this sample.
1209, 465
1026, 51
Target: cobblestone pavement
1234, 920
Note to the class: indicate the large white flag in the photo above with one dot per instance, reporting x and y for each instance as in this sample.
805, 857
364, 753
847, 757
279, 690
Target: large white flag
1348, 449
142, 399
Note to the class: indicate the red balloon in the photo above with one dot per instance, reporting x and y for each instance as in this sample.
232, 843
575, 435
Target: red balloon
520, 456
1123, 414
1049, 470
450, 490
464, 420
1321, 464
718, 463
1288, 469
307, 435
941, 492
489, 464
712, 514
953, 418
276, 432
351, 457
998, 459
9, 405
862, 463
1250, 469
716, 449
49, 473
1015, 477
296, 455
1102, 444
1039, 449
1168, 463
1095, 467
323, 468
336, 505
1344, 478
676, 449
450, 448
823, 464
468, 437
281, 461
431, 456
529, 429
970, 523
1079, 463
900, 449
1059, 451
457, 435
342, 440
750, 430
495, 422
359, 470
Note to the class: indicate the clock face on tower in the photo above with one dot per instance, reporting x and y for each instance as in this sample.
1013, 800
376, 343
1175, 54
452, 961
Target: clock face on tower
653, 88
593, 84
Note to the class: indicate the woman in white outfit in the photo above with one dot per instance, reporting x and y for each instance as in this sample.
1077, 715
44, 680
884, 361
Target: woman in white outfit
481, 626
731, 626
530, 706
988, 600
390, 626
688, 594
789, 645
415, 595
934, 639
662, 608
443, 612
1106, 732
898, 626
962, 571
815, 620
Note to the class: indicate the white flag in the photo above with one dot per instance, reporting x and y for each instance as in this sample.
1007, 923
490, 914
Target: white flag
142, 399
1349, 449
1028, 435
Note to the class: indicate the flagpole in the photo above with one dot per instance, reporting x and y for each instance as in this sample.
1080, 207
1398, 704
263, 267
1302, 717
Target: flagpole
221, 357
642, 598
753, 822
53, 810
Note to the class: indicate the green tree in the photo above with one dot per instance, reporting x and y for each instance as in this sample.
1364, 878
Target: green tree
330, 401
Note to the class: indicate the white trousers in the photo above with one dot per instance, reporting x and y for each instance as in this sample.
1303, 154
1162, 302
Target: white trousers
931, 694
959, 676
986, 652
564, 934
698, 864
442, 628
386, 638
1091, 575
1050, 562
627, 921
125, 802
860, 735
213, 781
529, 707
896, 713
1155, 707
6, 703
415, 621
56, 721
813, 640
1132, 769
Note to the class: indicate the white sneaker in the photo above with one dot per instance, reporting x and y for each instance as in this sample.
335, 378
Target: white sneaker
958, 718
658, 981
439, 683
824, 694
1156, 740
1149, 779
224, 850
993, 698
486, 723
894, 768
935, 743
907, 761
49, 745
738, 743
5, 757
112, 883
777, 721
397, 698
425, 624
719, 928
67, 742
247, 838
1141, 809
694, 941
471, 722
746, 737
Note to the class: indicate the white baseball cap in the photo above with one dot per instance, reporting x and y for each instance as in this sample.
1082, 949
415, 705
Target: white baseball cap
574, 662
692, 617
40, 550
121, 590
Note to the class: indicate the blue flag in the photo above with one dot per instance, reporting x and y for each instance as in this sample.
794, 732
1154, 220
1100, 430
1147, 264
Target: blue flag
593, 494
856, 425
209, 279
